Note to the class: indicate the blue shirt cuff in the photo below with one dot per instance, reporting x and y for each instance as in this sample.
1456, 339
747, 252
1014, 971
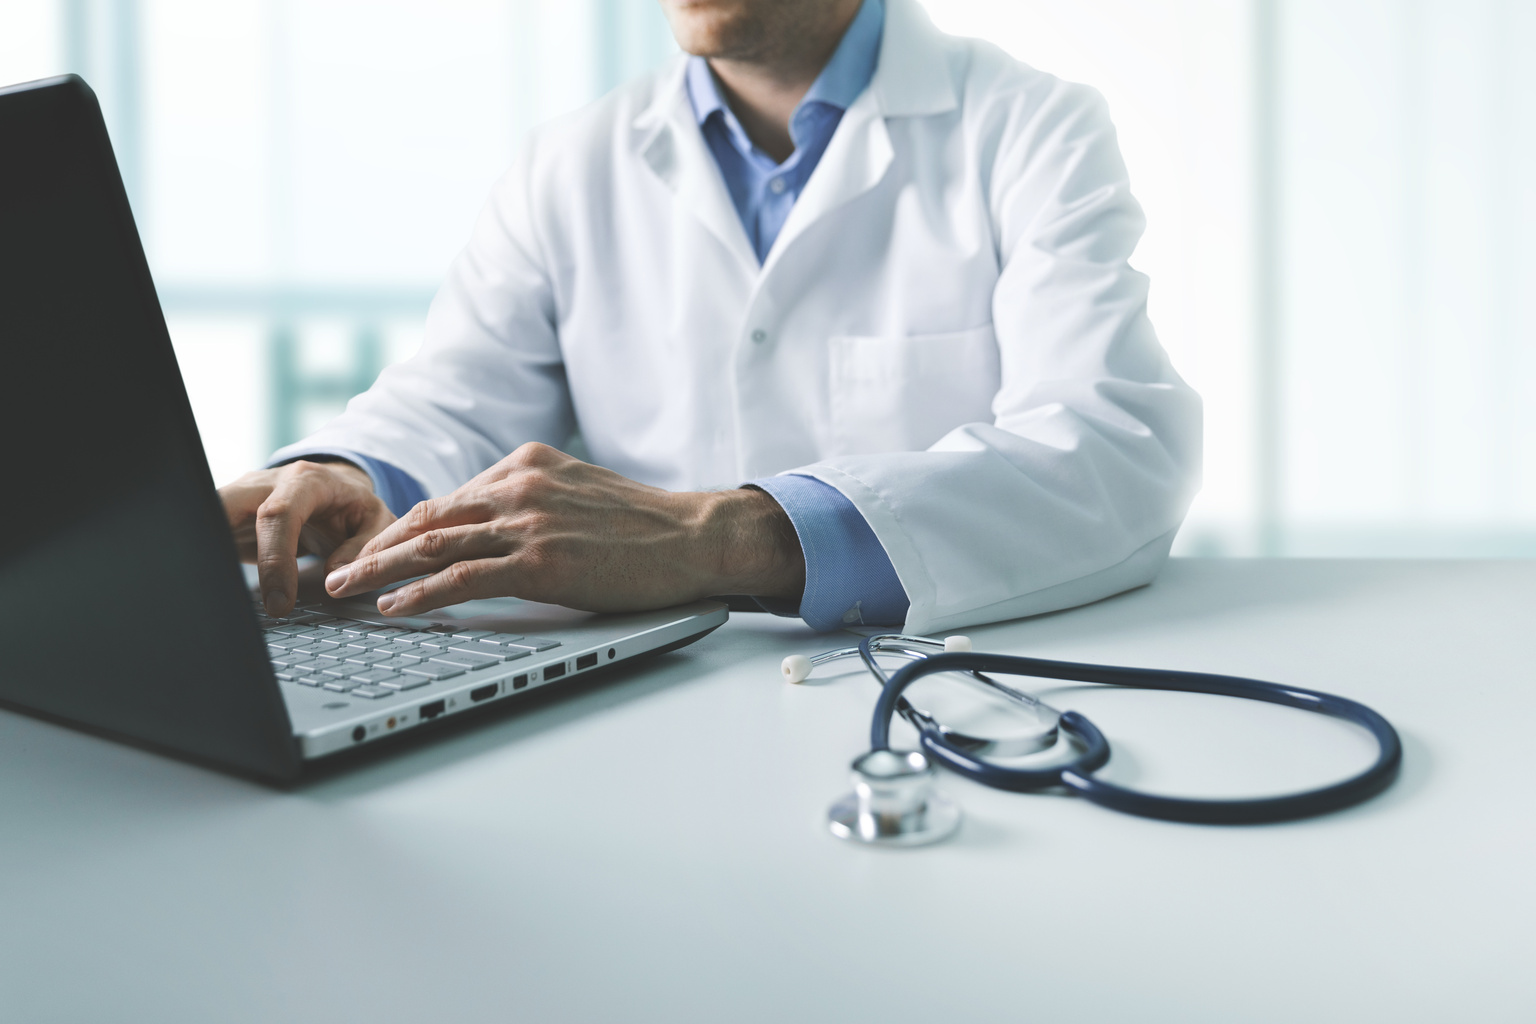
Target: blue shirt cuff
398, 489
849, 579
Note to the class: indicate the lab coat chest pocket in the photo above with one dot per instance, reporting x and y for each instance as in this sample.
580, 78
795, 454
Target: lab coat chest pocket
892, 394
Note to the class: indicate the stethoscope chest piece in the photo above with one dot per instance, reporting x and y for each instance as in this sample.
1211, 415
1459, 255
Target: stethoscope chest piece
893, 802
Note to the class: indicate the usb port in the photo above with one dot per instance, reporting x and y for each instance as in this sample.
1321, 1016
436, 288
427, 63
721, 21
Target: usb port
432, 710
485, 692
586, 661
554, 672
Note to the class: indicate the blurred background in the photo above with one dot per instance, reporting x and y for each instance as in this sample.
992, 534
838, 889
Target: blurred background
1340, 195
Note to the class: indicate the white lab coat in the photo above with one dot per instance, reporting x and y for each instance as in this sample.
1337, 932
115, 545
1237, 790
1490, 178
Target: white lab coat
946, 330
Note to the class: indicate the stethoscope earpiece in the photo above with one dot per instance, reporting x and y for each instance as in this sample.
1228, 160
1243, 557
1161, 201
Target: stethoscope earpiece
796, 668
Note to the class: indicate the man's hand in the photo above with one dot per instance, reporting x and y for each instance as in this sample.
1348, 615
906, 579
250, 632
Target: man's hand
543, 526
331, 502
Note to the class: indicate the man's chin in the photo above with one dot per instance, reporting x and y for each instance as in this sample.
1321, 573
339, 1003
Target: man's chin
715, 46
723, 29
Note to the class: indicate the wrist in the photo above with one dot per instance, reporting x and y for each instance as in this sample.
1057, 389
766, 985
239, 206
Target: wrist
752, 546
343, 468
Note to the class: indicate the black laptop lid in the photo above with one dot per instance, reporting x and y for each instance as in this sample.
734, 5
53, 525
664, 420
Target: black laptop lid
122, 605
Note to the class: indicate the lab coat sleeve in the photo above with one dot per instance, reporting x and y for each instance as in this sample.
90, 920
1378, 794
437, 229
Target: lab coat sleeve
1076, 488
489, 374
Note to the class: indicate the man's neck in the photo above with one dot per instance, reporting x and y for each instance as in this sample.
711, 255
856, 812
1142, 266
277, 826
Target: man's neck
764, 90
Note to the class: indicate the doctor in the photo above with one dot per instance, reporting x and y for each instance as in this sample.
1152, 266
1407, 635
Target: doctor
876, 273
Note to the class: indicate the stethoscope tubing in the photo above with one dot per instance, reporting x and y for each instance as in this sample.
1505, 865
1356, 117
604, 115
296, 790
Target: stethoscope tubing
871, 645
909, 647
1077, 775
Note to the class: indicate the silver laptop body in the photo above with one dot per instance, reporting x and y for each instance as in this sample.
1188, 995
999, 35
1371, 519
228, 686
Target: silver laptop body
350, 676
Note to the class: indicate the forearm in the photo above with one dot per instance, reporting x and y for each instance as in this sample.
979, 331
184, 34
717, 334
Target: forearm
543, 526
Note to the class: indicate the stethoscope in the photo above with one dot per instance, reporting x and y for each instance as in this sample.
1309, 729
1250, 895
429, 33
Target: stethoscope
893, 802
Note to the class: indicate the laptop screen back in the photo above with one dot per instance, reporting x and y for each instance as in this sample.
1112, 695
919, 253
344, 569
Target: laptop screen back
122, 605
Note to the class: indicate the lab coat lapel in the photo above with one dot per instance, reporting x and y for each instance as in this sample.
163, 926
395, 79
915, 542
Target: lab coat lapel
854, 162
913, 79
673, 147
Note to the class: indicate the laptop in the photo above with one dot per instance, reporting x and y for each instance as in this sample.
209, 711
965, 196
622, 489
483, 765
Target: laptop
124, 609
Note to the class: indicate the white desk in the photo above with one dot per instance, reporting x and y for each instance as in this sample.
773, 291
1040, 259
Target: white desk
654, 849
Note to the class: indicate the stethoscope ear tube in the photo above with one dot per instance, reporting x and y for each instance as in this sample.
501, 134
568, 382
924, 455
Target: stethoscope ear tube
1077, 775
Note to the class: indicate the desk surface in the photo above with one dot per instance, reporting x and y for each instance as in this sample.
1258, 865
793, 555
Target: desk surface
653, 848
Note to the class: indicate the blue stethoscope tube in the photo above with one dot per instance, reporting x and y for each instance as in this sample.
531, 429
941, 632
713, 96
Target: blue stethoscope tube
1077, 775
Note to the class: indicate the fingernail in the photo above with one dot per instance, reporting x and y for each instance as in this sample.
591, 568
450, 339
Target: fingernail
386, 602
336, 580
274, 601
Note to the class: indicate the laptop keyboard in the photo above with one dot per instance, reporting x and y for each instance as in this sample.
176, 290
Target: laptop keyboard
364, 659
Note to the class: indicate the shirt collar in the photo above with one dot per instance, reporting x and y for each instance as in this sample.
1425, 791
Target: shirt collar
846, 75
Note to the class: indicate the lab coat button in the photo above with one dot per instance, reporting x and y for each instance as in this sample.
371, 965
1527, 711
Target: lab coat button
759, 336
777, 186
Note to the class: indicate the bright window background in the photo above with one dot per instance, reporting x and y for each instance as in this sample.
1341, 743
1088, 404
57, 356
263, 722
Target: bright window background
1338, 194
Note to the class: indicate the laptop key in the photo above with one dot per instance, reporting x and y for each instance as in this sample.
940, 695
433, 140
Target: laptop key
289, 642
366, 658
355, 628
371, 692
441, 643
482, 653
404, 682
533, 643
414, 638
292, 630
460, 661
388, 631
504, 653
317, 647
366, 643
384, 677
433, 670
310, 618
473, 634
341, 685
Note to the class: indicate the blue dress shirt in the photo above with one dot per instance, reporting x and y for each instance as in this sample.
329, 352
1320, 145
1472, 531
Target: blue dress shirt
765, 191
849, 578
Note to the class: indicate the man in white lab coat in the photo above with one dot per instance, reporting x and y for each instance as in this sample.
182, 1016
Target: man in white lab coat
877, 274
